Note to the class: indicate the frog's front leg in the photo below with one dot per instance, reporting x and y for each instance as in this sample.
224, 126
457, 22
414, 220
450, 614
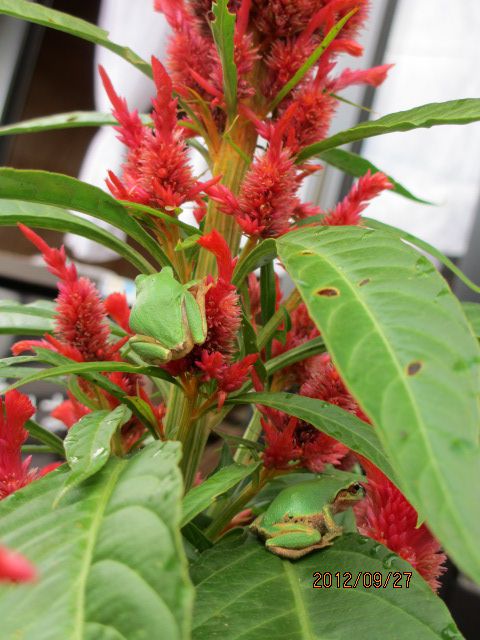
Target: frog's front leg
295, 541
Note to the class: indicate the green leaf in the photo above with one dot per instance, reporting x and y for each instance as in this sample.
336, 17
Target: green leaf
46, 217
311, 60
472, 311
63, 191
27, 324
46, 17
109, 557
247, 593
80, 368
406, 352
69, 120
356, 166
268, 292
88, 443
223, 30
328, 418
302, 352
202, 496
428, 115
425, 246
47, 437
263, 253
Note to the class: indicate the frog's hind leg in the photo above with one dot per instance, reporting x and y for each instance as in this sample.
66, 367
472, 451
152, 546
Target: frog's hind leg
296, 542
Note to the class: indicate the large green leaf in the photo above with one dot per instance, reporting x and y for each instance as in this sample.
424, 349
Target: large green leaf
326, 417
356, 166
424, 246
47, 217
405, 350
202, 496
246, 593
62, 191
428, 115
33, 12
472, 311
110, 558
88, 442
68, 120
223, 30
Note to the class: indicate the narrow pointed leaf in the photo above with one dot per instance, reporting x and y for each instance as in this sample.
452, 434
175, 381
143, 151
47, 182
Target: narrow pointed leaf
223, 30
247, 593
264, 253
62, 191
428, 115
68, 120
37, 13
88, 443
406, 352
202, 496
109, 557
80, 368
41, 216
328, 418
47, 437
302, 352
311, 60
356, 166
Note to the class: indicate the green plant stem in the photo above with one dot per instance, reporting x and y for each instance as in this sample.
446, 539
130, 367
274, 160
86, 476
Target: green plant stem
193, 450
252, 433
236, 505
232, 166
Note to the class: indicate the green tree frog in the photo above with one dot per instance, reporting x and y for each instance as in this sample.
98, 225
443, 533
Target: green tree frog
300, 518
167, 317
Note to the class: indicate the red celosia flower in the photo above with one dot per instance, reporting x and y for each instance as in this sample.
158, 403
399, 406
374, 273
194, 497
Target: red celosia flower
216, 244
318, 449
81, 328
157, 170
70, 411
14, 567
324, 383
15, 410
389, 518
374, 77
348, 211
117, 308
281, 447
229, 377
267, 197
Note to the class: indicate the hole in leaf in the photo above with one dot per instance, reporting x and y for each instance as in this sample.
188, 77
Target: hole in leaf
363, 282
328, 292
413, 368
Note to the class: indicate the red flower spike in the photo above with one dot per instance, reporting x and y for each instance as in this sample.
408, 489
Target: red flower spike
374, 77
386, 516
70, 411
117, 308
15, 410
211, 364
348, 211
164, 106
55, 259
281, 448
15, 568
216, 244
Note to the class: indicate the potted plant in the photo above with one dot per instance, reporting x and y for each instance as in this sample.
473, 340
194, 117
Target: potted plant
327, 516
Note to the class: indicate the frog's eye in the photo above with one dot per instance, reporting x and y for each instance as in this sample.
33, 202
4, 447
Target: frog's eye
355, 488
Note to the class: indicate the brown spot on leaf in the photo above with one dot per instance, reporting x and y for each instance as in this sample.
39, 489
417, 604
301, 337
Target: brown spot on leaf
363, 282
413, 368
306, 252
328, 292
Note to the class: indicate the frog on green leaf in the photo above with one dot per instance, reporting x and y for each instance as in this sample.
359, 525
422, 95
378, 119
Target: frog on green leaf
167, 317
300, 519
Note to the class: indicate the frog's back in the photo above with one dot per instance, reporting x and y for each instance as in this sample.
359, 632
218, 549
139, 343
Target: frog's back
158, 304
303, 499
